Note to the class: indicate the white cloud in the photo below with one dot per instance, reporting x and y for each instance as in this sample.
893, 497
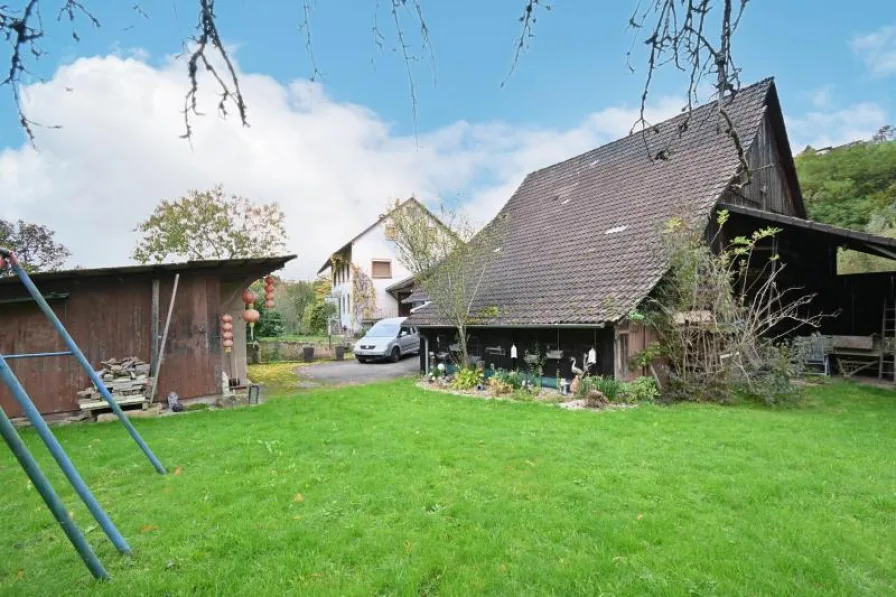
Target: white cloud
332, 166
822, 98
835, 127
878, 50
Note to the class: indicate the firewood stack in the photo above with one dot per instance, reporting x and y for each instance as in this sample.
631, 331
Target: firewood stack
123, 378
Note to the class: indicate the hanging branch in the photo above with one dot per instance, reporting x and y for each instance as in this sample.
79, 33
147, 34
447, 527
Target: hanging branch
679, 35
207, 35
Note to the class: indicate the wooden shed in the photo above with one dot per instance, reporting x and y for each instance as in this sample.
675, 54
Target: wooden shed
121, 312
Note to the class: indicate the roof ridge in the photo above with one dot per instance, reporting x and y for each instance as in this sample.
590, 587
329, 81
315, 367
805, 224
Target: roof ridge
766, 81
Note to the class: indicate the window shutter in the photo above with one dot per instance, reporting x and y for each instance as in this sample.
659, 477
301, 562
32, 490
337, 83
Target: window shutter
381, 269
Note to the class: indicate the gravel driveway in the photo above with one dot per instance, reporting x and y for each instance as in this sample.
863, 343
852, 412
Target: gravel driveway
351, 371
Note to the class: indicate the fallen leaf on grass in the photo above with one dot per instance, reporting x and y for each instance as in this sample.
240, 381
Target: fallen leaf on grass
177, 471
299, 498
149, 528
639, 517
20, 575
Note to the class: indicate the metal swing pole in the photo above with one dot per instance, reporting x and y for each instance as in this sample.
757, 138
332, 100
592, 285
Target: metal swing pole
51, 498
61, 458
82, 360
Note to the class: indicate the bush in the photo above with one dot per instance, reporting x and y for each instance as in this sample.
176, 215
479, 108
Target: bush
642, 389
467, 379
498, 386
608, 386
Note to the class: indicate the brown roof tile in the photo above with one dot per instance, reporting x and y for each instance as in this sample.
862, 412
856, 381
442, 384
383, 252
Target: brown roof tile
580, 243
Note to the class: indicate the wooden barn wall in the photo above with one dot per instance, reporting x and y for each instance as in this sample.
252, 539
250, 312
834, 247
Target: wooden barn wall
860, 298
110, 318
192, 361
767, 189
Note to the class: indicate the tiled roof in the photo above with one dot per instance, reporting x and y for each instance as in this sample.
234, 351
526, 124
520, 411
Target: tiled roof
580, 240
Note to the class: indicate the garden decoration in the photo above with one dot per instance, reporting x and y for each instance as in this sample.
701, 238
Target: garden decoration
9, 261
268, 292
250, 315
227, 332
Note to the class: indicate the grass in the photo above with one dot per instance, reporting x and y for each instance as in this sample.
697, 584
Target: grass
391, 490
278, 379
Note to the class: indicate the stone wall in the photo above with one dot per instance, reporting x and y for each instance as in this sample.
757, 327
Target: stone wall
284, 352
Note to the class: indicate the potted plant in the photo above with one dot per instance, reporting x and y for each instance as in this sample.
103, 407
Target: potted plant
308, 353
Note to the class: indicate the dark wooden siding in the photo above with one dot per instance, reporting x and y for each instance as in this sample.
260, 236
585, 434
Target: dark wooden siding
110, 317
767, 189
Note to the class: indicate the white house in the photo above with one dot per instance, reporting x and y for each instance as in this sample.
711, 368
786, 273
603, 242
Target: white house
369, 282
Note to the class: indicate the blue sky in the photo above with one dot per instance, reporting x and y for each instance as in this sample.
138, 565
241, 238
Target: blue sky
117, 95
575, 64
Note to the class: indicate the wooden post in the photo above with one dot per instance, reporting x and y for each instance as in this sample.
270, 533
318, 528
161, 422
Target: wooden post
155, 380
154, 349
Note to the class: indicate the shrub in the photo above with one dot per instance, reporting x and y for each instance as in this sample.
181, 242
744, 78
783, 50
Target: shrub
498, 386
608, 386
467, 379
642, 389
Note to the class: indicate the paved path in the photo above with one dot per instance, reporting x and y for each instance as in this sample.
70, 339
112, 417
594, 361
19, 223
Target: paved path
351, 371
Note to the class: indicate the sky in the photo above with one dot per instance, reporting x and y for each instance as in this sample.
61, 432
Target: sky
334, 148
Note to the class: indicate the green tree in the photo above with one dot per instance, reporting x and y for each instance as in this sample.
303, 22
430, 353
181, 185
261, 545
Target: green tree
211, 225
853, 186
34, 244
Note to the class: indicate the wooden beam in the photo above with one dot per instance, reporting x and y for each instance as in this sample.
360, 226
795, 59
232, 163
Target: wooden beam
154, 349
155, 381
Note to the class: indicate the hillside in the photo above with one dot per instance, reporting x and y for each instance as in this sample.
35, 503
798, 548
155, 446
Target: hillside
853, 186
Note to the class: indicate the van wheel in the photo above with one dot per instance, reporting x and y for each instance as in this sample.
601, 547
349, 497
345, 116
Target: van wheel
395, 356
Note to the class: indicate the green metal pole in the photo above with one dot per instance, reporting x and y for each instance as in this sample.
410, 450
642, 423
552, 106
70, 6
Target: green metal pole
46, 491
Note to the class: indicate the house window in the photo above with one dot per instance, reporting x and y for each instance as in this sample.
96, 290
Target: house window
381, 268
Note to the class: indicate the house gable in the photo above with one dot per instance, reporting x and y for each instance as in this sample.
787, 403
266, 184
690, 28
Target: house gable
773, 183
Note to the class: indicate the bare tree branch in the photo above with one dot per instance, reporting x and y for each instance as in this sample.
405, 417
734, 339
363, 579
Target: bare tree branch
305, 29
527, 23
207, 35
679, 36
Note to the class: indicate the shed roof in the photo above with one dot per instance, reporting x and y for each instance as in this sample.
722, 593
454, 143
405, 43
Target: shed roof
579, 238
841, 237
227, 268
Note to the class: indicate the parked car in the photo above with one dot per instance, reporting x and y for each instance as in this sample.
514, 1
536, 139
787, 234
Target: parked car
387, 339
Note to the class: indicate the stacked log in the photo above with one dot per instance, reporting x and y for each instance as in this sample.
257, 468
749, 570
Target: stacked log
122, 377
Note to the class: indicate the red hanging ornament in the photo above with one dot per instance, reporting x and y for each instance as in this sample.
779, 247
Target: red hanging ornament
251, 316
227, 332
269, 304
249, 297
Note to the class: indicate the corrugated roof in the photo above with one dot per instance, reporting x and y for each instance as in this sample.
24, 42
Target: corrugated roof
223, 265
580, 238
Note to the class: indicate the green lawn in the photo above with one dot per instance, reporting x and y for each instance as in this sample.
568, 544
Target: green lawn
387, 489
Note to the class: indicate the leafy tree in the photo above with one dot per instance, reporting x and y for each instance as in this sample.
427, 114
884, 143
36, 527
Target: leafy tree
294, 301
448, 261
321, 312
211, 225
853, 186
34, 244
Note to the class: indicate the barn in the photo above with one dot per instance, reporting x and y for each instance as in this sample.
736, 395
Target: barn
579, 245
120, 312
